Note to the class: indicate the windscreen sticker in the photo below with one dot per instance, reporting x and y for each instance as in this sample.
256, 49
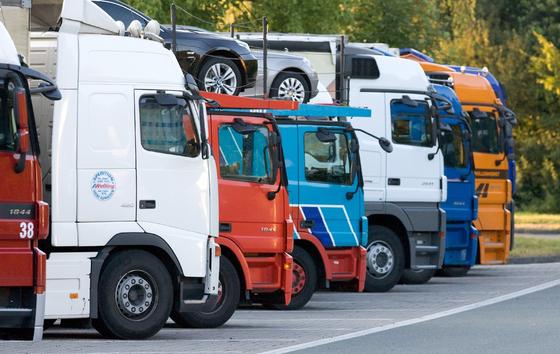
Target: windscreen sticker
103, 185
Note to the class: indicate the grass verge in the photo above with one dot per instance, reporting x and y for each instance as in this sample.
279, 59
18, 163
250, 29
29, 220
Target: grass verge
535, 247
534, 222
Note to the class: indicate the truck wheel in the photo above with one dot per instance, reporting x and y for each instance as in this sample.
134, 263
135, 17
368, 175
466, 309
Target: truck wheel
304, 280
290, 86
135, 296
220, 75
385, 259
229, 293
420, 276
449, 271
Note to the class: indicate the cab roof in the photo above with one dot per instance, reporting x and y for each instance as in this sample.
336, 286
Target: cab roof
8, 52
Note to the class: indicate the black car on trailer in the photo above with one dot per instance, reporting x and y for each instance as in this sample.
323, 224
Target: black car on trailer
220, 64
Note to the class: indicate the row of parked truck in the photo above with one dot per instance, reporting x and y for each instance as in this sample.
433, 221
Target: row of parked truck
129, 196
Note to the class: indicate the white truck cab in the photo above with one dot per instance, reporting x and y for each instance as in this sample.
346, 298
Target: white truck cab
130, 180
403, 190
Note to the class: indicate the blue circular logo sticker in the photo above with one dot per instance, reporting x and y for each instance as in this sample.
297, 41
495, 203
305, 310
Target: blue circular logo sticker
103, 185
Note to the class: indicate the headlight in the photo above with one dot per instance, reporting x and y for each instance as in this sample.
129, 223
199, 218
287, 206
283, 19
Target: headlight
243, 44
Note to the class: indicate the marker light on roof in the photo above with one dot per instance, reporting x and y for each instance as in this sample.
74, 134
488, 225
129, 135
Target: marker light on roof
463, 69
122, 29
485, 71
135, 29
153, 27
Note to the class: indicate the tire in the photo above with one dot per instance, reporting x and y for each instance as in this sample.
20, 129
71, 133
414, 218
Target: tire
421, 276
135, 296
450, 271
290, 86
227, 303
384, 273
304, 281
220, 75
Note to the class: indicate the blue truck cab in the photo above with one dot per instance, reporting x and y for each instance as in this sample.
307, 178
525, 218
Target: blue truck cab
462, 203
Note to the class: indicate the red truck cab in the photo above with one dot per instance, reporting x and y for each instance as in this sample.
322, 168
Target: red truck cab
256, 230
24, 217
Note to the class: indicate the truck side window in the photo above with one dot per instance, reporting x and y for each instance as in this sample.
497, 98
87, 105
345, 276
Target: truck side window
245, 157
453, 148
411, 125
169, 130
485, 134
8, 127
327, 162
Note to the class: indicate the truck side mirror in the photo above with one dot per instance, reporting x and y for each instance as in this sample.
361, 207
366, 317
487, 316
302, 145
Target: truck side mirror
23, 141
191, 85
386, 145
53, 94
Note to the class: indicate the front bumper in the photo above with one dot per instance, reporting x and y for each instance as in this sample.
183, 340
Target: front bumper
427, 248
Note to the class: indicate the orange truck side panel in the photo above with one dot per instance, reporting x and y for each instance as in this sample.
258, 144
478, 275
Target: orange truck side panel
261, 236
492, 183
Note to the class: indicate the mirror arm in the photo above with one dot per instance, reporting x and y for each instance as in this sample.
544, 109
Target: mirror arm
20, 165
203, 140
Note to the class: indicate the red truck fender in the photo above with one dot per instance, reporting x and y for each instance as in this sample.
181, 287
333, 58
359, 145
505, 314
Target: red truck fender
320, 249
232, 246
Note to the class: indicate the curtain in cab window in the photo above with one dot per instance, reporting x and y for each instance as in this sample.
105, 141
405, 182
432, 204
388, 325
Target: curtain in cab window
245, 157
453, 148
411, 125
168, 129
8, 127
327, 162
485, 134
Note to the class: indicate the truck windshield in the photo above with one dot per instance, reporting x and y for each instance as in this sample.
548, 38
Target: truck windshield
411, 125
168, 129
485, 134
453, 147
327, 162
8, 128
245, 157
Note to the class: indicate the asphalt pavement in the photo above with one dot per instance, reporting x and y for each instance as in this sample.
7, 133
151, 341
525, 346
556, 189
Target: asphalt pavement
504, 308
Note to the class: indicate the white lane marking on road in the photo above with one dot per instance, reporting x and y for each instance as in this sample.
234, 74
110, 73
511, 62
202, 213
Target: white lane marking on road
413, 321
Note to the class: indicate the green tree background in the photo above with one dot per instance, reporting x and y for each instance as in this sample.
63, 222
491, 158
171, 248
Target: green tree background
517, 40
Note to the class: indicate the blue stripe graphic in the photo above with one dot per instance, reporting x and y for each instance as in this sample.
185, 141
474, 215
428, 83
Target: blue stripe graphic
319, 230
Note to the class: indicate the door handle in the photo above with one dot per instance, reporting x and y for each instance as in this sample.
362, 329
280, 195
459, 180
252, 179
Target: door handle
394, 181
225, 227
147, 204
307, 224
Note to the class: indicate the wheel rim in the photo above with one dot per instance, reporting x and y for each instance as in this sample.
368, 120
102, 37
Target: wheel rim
220, 78
136, 295
298, 278
291, 89
380, 259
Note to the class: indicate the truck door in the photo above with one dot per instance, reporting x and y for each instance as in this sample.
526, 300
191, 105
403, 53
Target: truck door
23, 215
325, 179
172, 178
411, 175
246, 177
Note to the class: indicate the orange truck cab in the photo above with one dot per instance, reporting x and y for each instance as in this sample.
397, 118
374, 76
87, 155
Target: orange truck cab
24, 217
256, 230
491, 126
